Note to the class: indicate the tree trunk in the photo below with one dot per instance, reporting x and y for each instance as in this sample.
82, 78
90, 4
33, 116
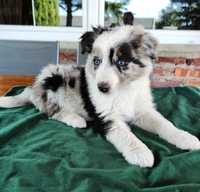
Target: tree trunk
69, 12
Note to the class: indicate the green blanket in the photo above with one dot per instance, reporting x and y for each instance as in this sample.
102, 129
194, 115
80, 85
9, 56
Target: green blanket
42, 155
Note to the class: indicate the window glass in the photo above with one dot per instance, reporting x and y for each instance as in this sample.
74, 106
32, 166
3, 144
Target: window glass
16, 12
154, 14
41, 13
58, 13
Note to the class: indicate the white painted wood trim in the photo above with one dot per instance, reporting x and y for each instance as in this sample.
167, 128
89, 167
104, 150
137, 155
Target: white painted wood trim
93, 15
41, 33
33, 11
177, 36
31, 33
101, 12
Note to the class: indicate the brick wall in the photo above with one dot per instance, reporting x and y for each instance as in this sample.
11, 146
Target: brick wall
176, 65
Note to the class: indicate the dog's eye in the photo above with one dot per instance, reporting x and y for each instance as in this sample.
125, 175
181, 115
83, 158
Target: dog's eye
121, 63
97, 61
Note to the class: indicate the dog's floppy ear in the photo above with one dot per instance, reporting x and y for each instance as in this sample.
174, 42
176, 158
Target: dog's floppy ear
99, 30
136, 36
144, 40
88, 38
150, 45
137, 41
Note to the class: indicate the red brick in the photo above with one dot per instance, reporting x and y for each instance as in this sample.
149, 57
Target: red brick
181, 72
196, 61
159, 71
173, 60
165, 60
193, 82
180, 60
195, 73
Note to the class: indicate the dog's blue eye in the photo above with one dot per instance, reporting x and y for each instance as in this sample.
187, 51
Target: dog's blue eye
97, 61
121, 63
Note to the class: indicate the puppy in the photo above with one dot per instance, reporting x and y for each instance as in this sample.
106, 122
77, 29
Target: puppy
112, 90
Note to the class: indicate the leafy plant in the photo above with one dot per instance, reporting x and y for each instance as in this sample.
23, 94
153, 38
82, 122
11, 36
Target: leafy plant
115, 10
46, 12
185, 14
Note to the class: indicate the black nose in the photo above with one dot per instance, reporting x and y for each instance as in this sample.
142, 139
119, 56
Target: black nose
103, 87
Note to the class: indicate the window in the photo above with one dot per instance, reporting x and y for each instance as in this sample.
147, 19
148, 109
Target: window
165, 14
85, 14
93, 13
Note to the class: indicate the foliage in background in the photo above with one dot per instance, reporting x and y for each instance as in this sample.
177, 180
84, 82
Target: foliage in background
46, 12
185, 14
169, 17
115, 10
70, 6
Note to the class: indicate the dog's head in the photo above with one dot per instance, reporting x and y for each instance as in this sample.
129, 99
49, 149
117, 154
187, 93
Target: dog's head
118, 56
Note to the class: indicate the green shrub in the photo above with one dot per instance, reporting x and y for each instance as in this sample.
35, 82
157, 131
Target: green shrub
46, 12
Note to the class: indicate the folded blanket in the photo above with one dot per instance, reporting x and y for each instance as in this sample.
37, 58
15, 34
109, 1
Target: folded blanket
38, 154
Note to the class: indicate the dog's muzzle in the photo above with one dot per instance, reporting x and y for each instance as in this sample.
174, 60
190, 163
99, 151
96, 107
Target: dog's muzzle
103, 87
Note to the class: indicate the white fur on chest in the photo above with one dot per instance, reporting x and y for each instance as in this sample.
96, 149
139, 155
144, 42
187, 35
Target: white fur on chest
124, 102
117, 104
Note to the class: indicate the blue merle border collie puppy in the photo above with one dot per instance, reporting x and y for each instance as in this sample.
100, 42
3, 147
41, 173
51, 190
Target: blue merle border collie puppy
112, 90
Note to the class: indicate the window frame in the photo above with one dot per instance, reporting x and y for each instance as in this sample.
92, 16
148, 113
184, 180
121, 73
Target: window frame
93, 15
43, 33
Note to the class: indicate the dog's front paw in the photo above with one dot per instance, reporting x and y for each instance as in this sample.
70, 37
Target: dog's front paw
185, 140
141, 156
74, 120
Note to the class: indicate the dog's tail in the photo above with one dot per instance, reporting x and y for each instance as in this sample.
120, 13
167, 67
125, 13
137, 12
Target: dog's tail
22, 99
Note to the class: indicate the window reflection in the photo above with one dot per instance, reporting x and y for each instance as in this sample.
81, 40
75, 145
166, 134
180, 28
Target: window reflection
70, 12
58, 13
16, 12
41, 12
155, 14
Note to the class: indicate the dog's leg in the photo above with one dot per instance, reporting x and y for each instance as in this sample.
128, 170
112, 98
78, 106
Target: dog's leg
71, 119
154, 122
133, 150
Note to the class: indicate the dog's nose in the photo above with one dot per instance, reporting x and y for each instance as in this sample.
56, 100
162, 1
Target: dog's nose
103, 87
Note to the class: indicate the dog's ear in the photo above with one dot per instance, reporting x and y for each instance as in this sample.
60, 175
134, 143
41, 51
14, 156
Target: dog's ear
99, 30
88, 38
136, 36
144, 40
137, 41
150, 45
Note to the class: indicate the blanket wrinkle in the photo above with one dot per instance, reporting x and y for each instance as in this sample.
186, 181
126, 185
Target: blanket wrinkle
38, 154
